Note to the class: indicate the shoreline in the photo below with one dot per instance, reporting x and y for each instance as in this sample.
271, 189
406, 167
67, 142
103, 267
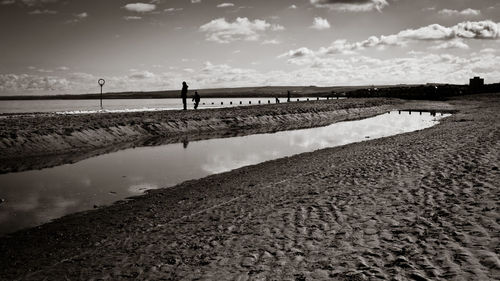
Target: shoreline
45, 140
416, 205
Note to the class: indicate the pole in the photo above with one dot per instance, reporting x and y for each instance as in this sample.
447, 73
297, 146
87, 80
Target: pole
101, 97
101, 83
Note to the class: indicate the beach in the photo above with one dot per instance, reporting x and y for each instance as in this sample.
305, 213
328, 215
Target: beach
415, 206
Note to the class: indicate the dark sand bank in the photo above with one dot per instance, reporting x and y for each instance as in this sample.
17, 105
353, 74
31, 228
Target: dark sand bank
43, 140
416, 206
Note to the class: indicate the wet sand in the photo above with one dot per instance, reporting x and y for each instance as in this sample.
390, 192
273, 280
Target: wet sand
416, 206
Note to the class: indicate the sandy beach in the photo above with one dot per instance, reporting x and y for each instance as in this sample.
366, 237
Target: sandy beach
415, 206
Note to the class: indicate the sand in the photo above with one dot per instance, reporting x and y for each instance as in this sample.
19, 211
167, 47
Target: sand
416, 206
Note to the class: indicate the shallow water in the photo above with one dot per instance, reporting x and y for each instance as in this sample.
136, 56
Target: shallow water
128, 105
35, 197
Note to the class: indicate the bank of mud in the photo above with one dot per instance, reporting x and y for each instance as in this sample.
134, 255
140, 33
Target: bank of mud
35, 141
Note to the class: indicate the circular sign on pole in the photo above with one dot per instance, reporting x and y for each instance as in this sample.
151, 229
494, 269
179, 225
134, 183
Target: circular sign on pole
101, 83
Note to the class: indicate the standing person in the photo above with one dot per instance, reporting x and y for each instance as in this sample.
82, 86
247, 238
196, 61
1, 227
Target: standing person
184, 93
288, 96
196, 99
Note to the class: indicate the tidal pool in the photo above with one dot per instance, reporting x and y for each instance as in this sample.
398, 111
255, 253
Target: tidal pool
32, 198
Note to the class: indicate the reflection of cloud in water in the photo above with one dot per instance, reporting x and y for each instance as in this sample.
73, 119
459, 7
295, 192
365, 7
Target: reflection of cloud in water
58, 209
228, 161
86, 182
140, 188
27, 203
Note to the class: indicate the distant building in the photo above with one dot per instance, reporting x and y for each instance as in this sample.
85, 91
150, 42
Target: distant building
476, 82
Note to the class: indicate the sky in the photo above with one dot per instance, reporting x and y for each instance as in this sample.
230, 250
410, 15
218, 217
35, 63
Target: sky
64, 46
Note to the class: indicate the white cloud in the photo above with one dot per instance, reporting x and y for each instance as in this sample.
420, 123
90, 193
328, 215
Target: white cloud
277, 27
43, 12
221, 31
82, 15
21, 82
29, 3
195, 1
78, 17
140, 7
298, 53
320, 23
358, 70
270, 42
351, 5
139, 75
467, 12
434, 32
292, 6
488, 51
454, 44
132, 18
172, 9
225, 5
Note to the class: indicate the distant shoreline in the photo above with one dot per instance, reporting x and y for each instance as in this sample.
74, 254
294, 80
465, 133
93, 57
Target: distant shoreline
244, 92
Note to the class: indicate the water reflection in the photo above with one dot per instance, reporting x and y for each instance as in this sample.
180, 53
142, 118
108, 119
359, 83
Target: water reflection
35, 197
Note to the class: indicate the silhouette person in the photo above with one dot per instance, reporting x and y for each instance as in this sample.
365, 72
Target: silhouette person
184, 92
196, 99
277, 100
288, 96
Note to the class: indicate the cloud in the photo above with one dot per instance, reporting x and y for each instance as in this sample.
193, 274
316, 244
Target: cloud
140, 75
221, 31
43, 12
351, 5
423, 68
26, 82
467, 12
172, 10
292, 6
223, 75
78, 17
140, 7
132, 18
82, 15
466, 30
270, 42
320, 23
225, 5
454, 44
298, 53
277, 27
28, 3
195, 1
488, 50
